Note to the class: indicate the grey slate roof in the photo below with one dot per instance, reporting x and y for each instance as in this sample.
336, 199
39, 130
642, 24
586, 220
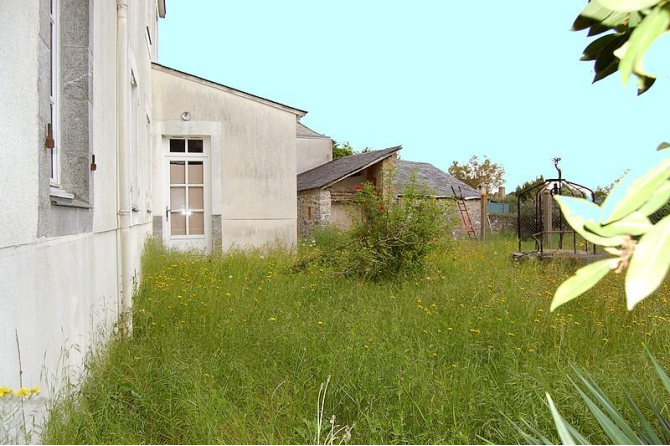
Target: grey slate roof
437, 180
302, 131
333, 171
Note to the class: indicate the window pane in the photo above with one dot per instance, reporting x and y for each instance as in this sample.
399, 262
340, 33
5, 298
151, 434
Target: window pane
177, 223
178, 198
195, 198
196, 223
195, 146
177, 145
195, 172
177, 174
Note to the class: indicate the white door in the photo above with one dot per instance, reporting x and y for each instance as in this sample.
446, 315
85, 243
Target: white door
188, 213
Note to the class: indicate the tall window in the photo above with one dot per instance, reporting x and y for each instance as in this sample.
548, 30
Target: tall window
53, 89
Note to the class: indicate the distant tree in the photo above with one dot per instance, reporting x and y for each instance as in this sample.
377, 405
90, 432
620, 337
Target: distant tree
340, 150
527, 185
474, 172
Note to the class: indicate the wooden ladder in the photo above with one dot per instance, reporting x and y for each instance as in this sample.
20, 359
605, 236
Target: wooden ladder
465, 214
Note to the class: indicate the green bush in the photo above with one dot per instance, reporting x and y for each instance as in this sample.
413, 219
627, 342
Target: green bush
395, 237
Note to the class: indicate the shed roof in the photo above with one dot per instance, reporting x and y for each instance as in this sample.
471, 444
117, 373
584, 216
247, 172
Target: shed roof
330, 173
437, 180
235, 91
302, 131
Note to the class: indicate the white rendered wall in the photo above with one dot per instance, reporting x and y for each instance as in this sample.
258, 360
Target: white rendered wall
257, 179
19, 31
62, 292
312, 152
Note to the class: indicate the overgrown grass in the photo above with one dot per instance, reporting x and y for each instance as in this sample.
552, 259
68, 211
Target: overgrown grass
234, 349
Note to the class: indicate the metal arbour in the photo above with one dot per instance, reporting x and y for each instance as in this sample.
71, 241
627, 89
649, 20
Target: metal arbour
539, 218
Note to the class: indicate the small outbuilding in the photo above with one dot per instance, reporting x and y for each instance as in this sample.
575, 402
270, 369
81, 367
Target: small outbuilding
442, 185
326, 191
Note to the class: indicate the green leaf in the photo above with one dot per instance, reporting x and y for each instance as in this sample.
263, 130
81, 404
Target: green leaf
606, 62
582, 280
633, 224
561, 424
658, 200
615, 416
659, 370
651, 28
649, 264
600, 44
595, 11
598, 28
628, 5
579, 212
652, 437
630, 194
609, 427
644, 82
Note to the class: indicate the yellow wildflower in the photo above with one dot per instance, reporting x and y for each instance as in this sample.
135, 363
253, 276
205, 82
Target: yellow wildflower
272, 319
22, 392
319, 323
35, 390
5, 391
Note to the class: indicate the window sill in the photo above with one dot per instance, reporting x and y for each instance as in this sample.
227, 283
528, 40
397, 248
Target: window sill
57, 192
70, 203
61, 198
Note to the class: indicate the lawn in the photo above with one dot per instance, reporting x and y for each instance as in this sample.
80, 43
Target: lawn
234, 349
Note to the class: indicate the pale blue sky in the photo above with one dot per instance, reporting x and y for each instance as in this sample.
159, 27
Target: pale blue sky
444, 79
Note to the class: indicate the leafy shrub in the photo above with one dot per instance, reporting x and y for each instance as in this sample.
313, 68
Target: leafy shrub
389, 237
394, 237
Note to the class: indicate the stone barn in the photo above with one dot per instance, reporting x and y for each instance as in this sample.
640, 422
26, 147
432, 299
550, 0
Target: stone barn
326, 192
443, 185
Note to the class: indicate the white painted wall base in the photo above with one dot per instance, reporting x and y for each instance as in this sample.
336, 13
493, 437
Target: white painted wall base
61, 298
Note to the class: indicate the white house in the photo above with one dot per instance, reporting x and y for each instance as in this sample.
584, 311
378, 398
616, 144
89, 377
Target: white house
75, 83
225, 165
101, 148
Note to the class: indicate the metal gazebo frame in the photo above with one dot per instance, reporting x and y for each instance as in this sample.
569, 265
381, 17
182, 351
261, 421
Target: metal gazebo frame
555, 187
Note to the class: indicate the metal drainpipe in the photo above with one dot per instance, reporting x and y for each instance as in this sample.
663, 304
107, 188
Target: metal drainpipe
123, 179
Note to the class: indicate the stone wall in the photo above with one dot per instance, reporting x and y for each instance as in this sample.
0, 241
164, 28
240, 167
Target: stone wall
313, 210
474, 209
503, 223
499, 223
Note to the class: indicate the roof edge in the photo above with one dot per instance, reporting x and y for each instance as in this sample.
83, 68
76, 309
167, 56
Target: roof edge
394, 149
296, 111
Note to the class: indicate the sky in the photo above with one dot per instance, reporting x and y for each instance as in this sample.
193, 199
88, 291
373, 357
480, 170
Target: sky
444, 79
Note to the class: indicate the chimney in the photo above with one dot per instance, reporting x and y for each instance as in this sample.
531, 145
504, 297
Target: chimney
501, 192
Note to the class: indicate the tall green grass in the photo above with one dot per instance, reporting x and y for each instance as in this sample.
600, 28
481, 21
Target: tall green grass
234, 349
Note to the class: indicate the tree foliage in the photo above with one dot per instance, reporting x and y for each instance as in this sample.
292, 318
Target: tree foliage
527, 185
345, 149
342, 149
627, 29
474, 172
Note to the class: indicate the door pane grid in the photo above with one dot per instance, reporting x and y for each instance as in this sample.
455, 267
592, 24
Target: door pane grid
187, 204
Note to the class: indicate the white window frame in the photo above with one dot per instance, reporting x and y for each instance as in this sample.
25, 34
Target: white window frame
54, 102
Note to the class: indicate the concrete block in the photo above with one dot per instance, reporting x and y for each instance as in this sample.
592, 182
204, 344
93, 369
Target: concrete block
74, 126
75, 72
74, 23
